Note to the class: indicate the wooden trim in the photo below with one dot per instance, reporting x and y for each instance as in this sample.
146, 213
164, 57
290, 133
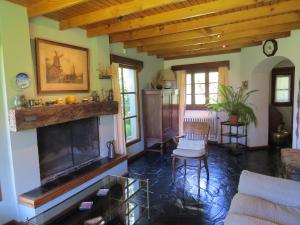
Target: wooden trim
290, 71
35, 202
259, 148
37, 54
201, 66
127, 61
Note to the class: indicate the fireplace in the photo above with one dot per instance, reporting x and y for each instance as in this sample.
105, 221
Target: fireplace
66, 147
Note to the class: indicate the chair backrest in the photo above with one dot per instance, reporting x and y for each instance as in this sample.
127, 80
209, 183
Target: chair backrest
196, 130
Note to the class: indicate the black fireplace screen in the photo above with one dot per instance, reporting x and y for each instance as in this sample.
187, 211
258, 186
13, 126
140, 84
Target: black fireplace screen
65, 147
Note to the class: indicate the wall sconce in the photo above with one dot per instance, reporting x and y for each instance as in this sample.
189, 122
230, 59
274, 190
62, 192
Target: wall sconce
245, 84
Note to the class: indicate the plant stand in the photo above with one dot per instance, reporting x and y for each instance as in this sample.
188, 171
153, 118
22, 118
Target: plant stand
240, 132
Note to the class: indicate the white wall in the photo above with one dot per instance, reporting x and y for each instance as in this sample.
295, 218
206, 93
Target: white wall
151, 67
252, 65
19, 152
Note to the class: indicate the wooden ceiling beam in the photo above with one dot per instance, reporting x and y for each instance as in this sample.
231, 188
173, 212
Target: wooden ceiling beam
259, 12
223, 44
202, 54
48, 6
269, 30
207, 51
116, 11
169, 16
157, 42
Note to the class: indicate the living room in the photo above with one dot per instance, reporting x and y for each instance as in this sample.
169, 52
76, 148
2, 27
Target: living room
121, 54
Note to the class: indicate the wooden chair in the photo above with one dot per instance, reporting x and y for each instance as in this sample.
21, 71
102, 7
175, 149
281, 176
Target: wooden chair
192, 146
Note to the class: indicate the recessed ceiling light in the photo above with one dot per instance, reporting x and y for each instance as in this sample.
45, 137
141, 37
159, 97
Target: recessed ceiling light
219, 35
224, 46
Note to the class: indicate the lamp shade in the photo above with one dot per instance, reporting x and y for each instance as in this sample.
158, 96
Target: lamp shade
167, 75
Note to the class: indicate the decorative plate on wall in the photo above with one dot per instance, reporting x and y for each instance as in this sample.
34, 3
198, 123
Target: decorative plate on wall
23, 80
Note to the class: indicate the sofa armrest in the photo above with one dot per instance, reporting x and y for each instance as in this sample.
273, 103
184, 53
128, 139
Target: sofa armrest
274, 189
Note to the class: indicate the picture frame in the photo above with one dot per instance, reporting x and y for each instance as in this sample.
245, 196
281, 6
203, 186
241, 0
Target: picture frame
61, 67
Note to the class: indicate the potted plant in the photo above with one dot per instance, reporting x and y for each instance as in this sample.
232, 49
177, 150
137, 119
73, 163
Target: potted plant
234, 103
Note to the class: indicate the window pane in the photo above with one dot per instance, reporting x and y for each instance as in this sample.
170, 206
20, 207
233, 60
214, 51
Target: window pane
189, 89
213, 77
199, 77
213, 88
199, 88
131, 127
188, 79
282, 96
129, 80
199, 99
213, 98
188, 100
130, 105
282, 82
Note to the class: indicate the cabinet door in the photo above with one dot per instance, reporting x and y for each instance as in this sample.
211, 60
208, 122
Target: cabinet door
175, 113
152, 116
166, 104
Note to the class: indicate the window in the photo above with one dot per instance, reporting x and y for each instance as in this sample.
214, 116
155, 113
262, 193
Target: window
282, 86
128, 78
201, 88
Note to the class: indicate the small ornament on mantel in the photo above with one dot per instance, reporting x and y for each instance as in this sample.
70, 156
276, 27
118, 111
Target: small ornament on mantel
105, 72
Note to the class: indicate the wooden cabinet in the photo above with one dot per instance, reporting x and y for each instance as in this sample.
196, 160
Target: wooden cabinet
160, 109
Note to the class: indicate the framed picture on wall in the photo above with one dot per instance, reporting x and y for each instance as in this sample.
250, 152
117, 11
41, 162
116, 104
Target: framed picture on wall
61, 67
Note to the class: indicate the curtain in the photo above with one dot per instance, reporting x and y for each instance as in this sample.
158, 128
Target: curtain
119, 134
223, 76
181, 86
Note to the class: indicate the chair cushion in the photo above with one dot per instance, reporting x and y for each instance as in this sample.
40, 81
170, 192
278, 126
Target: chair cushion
237, 219
191, 144
189, 152
256, 207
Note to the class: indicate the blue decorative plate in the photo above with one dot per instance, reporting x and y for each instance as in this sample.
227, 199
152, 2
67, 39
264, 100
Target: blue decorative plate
23, 80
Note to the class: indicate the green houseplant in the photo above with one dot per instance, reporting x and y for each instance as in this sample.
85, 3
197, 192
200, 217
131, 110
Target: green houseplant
234, 103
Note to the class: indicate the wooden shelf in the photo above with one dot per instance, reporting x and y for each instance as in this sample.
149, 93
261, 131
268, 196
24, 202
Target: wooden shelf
41, 116
41, 195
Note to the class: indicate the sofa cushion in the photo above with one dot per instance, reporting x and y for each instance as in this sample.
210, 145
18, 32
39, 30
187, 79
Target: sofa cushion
237, 219
274, 189
266, 210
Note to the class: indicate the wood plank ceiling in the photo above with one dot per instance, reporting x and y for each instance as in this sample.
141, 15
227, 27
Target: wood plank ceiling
173, 29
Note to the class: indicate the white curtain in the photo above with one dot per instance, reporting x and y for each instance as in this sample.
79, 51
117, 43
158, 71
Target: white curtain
181, 79
119, 134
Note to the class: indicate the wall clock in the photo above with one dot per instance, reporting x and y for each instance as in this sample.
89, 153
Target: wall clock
23, 80
270, 47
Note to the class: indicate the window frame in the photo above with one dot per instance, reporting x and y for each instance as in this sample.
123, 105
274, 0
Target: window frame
277, 72
137, 93
194, 106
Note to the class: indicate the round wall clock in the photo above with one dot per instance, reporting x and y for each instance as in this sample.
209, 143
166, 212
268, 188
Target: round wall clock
270, 47
23, 80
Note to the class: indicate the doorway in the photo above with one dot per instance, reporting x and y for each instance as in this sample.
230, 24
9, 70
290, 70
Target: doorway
261, 81
281, 98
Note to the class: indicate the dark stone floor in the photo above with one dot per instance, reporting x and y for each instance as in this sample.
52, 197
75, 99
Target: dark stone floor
183, 203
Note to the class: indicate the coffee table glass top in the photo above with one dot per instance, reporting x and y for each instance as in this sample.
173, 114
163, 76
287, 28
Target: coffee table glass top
127, 202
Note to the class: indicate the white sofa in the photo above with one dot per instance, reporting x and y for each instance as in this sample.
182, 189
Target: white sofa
265, 200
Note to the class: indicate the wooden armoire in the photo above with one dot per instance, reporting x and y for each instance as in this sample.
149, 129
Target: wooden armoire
160, 110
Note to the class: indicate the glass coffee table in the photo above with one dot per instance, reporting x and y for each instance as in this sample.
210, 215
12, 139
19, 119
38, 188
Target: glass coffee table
127, 202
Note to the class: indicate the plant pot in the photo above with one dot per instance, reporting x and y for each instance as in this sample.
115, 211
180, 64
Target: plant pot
234, 119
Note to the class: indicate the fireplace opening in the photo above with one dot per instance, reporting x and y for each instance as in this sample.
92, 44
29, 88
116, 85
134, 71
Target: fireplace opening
66, 147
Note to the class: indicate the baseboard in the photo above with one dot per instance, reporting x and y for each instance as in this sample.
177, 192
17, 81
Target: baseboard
136, 156
257, 148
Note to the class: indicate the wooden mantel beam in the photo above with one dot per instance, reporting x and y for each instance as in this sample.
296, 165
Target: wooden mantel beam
264, 11
115, 11
156, 42
48, 6
169, 16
